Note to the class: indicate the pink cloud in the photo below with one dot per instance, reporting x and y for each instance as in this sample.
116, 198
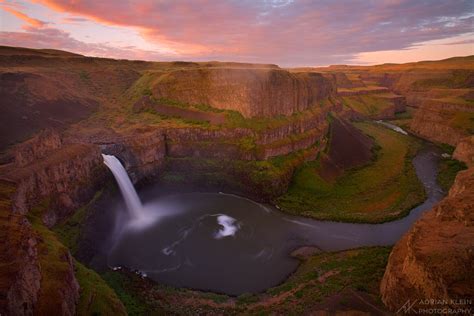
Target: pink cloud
54, 38
284, 32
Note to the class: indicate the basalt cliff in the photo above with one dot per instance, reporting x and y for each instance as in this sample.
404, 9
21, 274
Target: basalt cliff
432, 259
243, 128
170, 122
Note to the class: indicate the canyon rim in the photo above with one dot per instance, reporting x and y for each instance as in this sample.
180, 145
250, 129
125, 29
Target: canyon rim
151, 179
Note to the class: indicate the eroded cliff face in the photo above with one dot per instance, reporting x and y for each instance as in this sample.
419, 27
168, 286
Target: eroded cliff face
465, 151
20, 274
434, 258
37, 273
62, 176
442, 98
57, 171
252, 92
443, 122
440, 94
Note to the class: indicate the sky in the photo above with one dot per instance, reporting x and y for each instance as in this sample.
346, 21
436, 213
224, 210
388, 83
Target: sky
289, 33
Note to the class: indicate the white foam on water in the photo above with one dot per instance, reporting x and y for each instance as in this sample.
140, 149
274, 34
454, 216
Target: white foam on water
229, 226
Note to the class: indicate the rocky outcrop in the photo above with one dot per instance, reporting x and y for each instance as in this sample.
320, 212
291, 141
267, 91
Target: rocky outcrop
362, 91
59, 291
348, 148
147, 104
433, 120
342, 80
433, 259
465, 151
20, 271
63, 178
37, 147
252, 92
142, 151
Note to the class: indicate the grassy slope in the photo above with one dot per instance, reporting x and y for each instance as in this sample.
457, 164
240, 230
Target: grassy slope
96, 297
447, 171
336, 279
369, 105
69, 231
383, 190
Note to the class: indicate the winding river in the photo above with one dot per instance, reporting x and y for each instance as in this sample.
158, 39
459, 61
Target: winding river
229, 244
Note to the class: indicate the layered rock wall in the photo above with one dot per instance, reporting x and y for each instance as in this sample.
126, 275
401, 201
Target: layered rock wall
434, 258
63, 178
20, 273
465, 151
252, 92
433, 120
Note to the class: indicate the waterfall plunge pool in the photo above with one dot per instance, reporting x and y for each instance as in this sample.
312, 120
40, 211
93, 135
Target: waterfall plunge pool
229, 244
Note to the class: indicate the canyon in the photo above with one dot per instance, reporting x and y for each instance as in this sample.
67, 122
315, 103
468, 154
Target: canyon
239, 128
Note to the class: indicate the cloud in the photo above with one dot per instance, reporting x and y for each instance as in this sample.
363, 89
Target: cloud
468, 41
31, 21
54, 38
285, 32
73, 19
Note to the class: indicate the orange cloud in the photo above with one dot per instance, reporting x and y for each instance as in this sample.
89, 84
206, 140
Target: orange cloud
284, 32
31, 21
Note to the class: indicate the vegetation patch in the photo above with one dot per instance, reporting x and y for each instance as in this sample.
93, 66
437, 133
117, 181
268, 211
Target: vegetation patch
369, 105
95, 295
447, 171
340, 277
265, 179
383, 190
97, 298
404, 119
69, 231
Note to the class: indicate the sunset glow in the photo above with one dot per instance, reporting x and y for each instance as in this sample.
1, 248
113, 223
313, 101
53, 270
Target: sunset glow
284, 32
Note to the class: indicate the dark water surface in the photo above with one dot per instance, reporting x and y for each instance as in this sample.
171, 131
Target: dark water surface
229, 244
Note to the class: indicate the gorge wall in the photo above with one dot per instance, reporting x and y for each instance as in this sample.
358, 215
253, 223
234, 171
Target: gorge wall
252, 92
45, 179
433, 258
56, 171
439, 94
431, 261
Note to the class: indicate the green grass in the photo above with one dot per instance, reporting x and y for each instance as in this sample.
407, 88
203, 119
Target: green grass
316, 280
383, 190
69, 231
360, 269
97, 298
265, 178
449, 149
370, 105
131, 299
447, 171
463, 121
456, 79
54, 266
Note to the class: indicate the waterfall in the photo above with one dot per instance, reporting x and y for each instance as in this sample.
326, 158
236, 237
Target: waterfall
130, 196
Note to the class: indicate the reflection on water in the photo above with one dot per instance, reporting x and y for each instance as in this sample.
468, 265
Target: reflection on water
225, 243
